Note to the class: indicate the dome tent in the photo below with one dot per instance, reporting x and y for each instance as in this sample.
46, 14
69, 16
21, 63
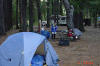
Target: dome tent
20, 48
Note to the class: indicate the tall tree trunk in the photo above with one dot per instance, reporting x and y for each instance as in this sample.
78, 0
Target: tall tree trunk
23, 15
39, 14
9, 6
17, 26
6, 15
7, 12
2, 26
6, 21
48, 13
95, 19
56, 11
69, 18
52, 7
20, 21
81, 26
31, 15
78, 21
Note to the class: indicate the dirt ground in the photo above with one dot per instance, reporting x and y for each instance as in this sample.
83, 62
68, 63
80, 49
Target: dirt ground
87, 49
84, 52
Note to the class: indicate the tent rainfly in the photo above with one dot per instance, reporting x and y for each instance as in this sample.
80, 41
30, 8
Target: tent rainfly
20, 48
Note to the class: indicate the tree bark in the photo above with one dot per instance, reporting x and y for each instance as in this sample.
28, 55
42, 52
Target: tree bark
39, 14
48, 13
56, 11
23, 15
69, 12
78, 21
17, 26
2, 25
20, 21
8, 11
52, 7
6, 21
95, 19
81, 26
71, 16
6, 15
9, 7
31, 15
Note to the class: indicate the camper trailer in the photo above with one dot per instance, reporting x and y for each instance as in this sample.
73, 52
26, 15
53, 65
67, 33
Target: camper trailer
62, 20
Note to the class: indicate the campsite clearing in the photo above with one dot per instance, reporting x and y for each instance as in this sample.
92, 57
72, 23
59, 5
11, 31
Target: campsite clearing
87, 49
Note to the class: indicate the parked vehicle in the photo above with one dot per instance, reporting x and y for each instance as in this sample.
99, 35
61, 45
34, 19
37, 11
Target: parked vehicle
62, 20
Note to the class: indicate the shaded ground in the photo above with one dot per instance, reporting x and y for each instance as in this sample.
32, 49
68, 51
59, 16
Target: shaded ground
86, 49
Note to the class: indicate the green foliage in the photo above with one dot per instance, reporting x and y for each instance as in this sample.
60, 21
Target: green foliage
79, 5
44, 10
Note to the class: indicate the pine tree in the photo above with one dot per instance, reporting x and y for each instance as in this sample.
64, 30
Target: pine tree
31, 15
48, 13
39, 13
2, 26
23, 15
17, 14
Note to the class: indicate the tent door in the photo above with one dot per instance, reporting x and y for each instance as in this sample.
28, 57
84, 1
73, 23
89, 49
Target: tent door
40, 50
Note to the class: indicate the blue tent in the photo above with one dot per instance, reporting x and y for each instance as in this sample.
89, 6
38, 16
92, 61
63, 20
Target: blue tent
20, 48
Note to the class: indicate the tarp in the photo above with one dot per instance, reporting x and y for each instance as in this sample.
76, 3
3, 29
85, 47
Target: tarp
77, 32
19, 49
